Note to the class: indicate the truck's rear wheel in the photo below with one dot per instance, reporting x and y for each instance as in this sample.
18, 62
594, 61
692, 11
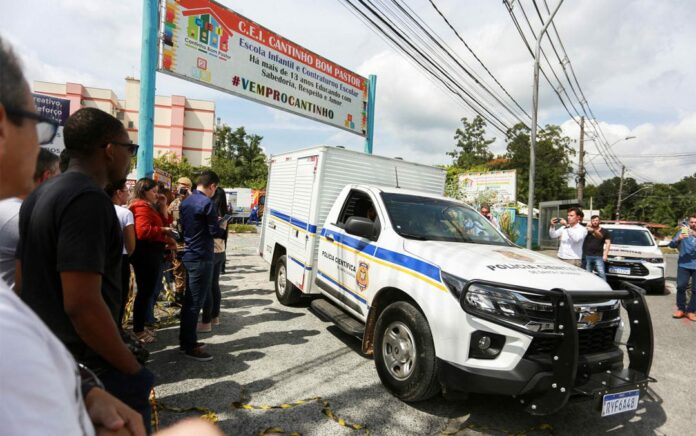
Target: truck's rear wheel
405, 354
285, 291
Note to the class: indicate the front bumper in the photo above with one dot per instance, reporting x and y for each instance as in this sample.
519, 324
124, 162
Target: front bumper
546, 383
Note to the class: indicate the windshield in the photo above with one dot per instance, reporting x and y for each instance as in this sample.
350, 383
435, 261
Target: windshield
639, 238
431, 219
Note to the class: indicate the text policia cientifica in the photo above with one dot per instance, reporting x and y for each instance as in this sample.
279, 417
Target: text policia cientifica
274, 94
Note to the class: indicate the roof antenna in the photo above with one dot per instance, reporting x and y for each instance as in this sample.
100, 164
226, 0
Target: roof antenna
396, 173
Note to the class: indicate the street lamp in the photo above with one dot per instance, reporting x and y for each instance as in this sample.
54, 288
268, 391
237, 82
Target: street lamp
610, 145
618, 203
535, 109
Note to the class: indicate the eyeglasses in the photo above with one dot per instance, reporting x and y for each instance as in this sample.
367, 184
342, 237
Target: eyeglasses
46, 128
132, 148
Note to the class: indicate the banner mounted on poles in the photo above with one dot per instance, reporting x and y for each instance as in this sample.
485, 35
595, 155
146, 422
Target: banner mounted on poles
204, 42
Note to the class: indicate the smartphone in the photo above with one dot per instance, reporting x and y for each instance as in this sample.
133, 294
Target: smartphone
183, 191
685, 231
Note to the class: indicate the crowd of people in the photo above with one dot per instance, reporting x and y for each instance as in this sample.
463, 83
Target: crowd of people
588, 247
70, 230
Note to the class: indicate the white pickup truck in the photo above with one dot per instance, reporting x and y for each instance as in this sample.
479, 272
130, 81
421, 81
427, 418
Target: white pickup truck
440, 298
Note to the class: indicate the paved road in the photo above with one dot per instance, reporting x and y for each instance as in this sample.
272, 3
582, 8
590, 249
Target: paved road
268, 354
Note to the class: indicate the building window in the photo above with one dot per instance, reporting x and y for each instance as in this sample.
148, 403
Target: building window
130, 124
120, 115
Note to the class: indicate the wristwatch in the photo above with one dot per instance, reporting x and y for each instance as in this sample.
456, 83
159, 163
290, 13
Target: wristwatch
88, 380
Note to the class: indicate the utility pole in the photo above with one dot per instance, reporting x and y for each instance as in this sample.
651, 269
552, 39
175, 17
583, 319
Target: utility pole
618, 201
535, 110
581, 166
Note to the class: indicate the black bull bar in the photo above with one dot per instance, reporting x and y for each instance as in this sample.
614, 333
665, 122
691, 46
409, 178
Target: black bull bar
564, 361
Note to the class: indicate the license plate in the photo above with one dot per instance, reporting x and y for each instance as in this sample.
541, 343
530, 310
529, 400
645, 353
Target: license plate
620, 402
619, 270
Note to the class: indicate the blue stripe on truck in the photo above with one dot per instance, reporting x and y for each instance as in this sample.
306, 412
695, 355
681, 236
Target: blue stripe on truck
403, 260
294, 221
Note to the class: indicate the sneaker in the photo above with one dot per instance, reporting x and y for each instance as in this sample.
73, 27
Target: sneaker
679, 314
198, 345
691, 316
215, 321
204, 327
198, 354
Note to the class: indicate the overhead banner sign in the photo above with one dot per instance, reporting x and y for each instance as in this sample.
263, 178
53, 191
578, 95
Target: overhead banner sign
57, 109
493, 187
205, 42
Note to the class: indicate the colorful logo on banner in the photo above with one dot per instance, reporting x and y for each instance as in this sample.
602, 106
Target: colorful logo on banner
203, 32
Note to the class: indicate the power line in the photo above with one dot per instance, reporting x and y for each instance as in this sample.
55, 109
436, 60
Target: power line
425, 62
478, 59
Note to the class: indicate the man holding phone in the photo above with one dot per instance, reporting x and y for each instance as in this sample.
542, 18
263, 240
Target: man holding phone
486, 212
571, 234
595, 248
685, 241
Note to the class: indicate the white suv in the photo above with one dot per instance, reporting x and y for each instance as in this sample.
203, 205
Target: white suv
635, 257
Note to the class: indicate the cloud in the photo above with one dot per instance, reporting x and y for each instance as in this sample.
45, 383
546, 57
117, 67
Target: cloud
634, 61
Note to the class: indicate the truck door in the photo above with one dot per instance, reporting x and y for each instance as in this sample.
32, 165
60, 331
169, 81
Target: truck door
349, 280
302, 231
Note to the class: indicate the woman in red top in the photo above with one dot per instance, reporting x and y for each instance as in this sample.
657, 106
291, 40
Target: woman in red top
152, 232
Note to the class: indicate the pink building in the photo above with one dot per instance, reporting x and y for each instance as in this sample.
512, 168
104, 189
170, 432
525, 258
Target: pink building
183, 126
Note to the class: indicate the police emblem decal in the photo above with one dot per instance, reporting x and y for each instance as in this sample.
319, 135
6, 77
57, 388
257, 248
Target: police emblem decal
362, 278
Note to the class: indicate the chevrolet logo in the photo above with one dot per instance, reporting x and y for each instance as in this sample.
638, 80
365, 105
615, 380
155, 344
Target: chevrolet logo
589, 316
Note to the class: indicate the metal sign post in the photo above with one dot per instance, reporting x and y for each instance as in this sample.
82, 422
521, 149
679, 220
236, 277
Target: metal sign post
148, 68
371, 92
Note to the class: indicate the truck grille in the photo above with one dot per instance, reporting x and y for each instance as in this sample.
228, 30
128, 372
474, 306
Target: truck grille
590, 341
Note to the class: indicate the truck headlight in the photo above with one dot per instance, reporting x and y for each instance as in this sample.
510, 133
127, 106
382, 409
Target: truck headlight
505, 304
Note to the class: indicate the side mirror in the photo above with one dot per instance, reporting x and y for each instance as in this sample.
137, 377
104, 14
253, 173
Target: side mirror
360, 226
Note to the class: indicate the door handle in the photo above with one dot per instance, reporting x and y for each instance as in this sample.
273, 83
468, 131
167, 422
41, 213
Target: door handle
272, 225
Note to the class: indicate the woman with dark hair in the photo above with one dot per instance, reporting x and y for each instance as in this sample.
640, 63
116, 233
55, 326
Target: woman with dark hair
211, 307
119, 196
152, 233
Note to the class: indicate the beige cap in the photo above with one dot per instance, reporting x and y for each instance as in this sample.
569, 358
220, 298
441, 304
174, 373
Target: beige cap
184, 181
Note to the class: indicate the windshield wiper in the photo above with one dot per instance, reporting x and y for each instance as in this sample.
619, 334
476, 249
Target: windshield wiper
417, 237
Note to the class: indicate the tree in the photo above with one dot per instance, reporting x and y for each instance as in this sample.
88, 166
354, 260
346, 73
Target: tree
472, 147
176, 166
608, 193
553, 162
238, 158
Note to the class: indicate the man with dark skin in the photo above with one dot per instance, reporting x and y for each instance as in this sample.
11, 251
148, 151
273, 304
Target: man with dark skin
70, 253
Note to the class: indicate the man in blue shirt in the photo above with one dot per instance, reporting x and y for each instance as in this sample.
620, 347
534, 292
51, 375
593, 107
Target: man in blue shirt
200, 223
686, 241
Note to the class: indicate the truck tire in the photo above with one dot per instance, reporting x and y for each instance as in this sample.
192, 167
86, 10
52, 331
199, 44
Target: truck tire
405, 354
285, 291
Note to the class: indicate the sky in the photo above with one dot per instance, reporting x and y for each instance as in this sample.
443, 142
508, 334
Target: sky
633, 59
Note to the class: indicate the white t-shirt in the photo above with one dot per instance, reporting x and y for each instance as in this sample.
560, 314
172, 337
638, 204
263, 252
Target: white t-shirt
9, 237
125, 217
40, 387
572, 238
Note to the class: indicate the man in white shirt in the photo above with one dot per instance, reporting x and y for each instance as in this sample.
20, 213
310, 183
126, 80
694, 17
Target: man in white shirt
571, 234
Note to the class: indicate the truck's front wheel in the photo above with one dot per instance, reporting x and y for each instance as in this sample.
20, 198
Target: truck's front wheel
404, 353
285, 291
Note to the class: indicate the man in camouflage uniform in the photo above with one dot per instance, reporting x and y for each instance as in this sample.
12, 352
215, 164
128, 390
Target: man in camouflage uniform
183, 190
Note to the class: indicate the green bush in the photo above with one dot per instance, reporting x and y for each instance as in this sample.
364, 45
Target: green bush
242, 228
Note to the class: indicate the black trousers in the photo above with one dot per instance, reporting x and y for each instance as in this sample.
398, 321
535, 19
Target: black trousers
146, 261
